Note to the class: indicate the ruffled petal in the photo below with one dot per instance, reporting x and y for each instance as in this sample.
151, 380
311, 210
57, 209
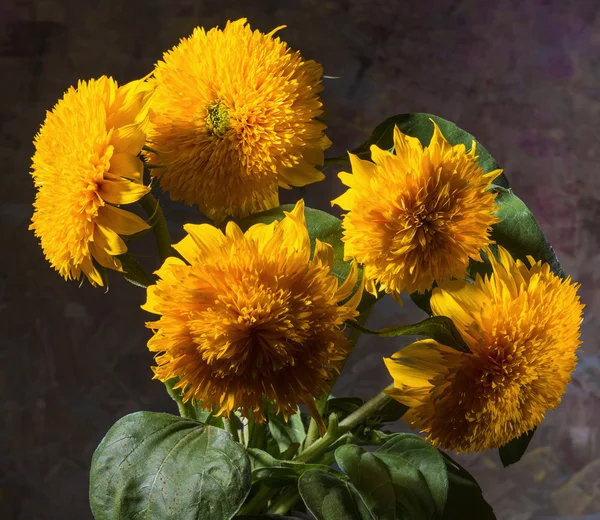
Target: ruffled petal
121, 221
121, 191
128, 166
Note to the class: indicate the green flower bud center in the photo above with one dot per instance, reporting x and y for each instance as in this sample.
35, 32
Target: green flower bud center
217, 119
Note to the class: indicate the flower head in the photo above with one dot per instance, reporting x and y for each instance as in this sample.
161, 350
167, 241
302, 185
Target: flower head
251, 315
522, 327
235, 116
417, 215
85, 165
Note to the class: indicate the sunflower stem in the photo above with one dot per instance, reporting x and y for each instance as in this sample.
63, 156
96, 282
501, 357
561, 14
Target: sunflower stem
284, 502
258, 501
230, 428
185, 409
159, 226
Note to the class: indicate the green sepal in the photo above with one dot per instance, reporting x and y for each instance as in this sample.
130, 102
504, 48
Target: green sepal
515, 449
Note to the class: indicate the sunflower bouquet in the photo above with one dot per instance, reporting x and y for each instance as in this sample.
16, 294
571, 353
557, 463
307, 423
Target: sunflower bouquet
254, 315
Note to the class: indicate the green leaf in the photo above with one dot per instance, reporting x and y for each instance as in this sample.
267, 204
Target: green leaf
370, 478
155, 465
343, 406
439, 328
329, 498
422, 300
423, 457
465, 498
520, 233
274, 517
515, 449
419, 125
285, 432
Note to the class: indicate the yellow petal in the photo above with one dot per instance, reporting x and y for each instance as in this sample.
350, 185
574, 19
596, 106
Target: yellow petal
120, 221
206, 237
130, 104
345, 289
417, 364
106, 239
121, 191
323, 253
459, 300
89, 269
346, 200
301, 174
188, 249
261, 233
170, 269
362, 170
353, 302
104, 258
128, 166
439, 139
128, 139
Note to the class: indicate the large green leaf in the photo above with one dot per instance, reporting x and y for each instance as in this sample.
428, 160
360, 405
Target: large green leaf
286, 432
520, 233
329, 498
370, 478
420, 126
465, 498
155, 466
515, 449
440, 328
424, 458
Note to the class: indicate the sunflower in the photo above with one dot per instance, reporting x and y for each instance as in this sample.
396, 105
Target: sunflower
85, 165
417, 215
236, 116
522, 324
251, 315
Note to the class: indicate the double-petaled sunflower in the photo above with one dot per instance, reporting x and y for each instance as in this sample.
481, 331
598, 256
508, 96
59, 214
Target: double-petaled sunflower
235, 117
251, 315
417, 215
85, 165
522, 325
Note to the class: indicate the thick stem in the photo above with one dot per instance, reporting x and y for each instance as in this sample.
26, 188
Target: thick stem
258, 501
285, 502
230, 428
185, 409
159, 226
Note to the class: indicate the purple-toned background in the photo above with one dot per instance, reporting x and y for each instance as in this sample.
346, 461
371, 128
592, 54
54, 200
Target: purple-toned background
523, 76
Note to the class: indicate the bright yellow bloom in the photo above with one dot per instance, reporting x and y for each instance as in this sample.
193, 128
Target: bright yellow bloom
418, 215
235, 116
522, 327
85, 164
251, 315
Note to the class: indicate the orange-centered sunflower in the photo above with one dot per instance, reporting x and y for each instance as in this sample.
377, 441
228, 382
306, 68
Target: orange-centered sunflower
522, 327
417, 215
235, 116
85, 165
251, 315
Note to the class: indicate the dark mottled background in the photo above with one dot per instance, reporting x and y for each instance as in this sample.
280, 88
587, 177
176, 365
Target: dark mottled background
523, 76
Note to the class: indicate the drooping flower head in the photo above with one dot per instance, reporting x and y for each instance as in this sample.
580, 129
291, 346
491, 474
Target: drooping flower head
251, 315
235, 116
522, 325
85, 164
417, 215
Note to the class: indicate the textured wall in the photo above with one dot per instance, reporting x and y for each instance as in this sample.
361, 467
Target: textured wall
523, 76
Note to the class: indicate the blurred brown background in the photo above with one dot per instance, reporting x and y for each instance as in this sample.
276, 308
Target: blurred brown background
523, 76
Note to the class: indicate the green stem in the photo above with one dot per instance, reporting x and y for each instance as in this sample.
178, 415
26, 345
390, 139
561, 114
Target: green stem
185, 409
258, 501
231, 429
285, 502
313, 429
335, 430
159, 226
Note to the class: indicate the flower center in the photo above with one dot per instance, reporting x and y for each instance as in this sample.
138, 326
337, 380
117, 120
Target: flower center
217, 119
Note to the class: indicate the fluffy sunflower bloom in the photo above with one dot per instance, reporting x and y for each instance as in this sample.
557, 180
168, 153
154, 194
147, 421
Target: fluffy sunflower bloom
417, 215
85, 165
522, 327
235, 116
251, 315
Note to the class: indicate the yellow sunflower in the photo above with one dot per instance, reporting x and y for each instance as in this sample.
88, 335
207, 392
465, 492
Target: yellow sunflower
236, 116
85, 165
522, 325
251, 315
417, 215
